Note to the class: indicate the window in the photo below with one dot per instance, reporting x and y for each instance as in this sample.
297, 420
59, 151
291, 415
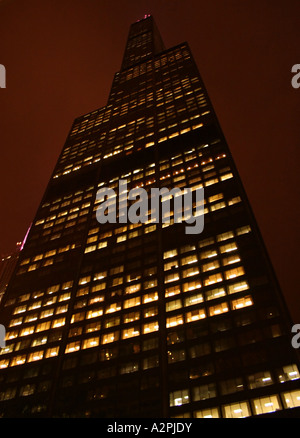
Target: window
37, 355
173, 305
174, 320
72, 347
195, 315
218, 309
204, 392
90, 343
237, 287
236, 410
207, 413
178, 398
212, 279
288, 372
132, 302
215, 293
259, 379
264, 405
130, 332
151, 327
171, 291
241, 302
291, 399
231, 385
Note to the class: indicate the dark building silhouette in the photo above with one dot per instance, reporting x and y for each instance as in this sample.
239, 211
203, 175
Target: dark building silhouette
7, 265
142, 319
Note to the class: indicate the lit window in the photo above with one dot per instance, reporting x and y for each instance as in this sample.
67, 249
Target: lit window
58, 322
211, 266
195, 315
90, 343
241, 302
236, 410
52, 352
151, 327
173, 321
215, 293
43, 326
232, 273
262, 378
291, 399
178, 398
243, 230
110, 337
84, 280
264, 405
191, 285
27, 331
173, 305
18, 360
228, 247
190, 272
171, 291
231, 259
288, 372
147, 298
170, 253
132, 289
72, 347
208, 254
20, 309
237, 287
207, 413
37, 355
46, 313
193, 299
114, 307
212, 279
218, 309
94, 313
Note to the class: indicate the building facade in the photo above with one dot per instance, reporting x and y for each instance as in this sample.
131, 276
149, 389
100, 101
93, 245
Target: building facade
142, 319
7, 265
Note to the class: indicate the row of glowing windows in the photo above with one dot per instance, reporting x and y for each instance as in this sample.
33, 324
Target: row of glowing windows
95, 118
170, 306
67, 200
64, 215
129, 144
98, 117
160, 62
235, 410
132, 101
182, 89
171, 321
261, 405
81, 147
178, 173
224, 172
106, 338
170, 291
187, 286
47, 254
224, 249
178, 85
174, 131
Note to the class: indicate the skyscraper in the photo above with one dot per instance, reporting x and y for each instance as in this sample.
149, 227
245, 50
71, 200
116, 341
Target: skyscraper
142, 319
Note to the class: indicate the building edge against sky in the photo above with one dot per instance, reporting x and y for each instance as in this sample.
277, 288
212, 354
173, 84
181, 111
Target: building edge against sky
142, 320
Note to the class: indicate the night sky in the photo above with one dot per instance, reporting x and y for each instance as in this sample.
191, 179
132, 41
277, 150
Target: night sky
60, 57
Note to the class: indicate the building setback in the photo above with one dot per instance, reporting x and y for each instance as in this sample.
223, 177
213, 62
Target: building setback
142, 319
